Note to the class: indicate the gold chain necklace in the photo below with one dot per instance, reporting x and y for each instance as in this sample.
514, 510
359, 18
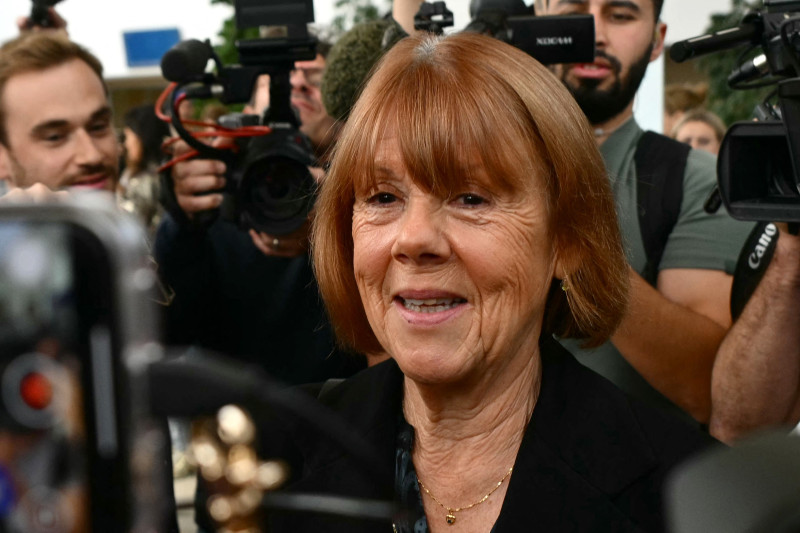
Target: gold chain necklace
451, 512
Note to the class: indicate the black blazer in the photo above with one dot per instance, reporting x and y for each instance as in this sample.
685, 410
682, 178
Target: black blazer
591, 459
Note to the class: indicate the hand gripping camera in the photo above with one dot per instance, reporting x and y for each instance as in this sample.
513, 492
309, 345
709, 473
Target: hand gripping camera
269, 187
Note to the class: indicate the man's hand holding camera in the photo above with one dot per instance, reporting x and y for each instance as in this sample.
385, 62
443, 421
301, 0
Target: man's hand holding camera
198, 184
195, 182
755, 380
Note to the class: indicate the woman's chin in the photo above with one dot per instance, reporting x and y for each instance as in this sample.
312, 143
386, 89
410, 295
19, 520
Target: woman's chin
433, 368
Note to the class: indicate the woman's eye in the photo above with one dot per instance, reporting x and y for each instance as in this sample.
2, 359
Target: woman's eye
382, 198
471, 199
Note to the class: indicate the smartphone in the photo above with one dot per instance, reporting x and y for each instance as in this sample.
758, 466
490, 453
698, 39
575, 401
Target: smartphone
78, 450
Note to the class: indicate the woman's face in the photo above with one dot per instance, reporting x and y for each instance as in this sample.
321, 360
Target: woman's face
699, 136
455, 286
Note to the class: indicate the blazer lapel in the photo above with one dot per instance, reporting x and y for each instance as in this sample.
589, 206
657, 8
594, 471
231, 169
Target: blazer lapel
583, 447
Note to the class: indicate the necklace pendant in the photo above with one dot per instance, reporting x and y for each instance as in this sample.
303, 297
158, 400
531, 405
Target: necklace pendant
451, 519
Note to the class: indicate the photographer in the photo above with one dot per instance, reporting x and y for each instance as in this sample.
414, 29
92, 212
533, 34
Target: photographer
664, 349
756, 379
250, 295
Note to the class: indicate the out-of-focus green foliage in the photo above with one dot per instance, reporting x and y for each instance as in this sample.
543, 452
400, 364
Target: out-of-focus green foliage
731, 105
229, 35
352, 12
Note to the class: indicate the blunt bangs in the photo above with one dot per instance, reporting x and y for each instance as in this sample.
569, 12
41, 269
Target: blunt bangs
453, 127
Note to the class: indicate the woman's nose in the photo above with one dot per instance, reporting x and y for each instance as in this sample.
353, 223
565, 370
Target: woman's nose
422, 233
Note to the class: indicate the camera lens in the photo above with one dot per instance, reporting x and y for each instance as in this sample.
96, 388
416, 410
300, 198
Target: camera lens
277, 193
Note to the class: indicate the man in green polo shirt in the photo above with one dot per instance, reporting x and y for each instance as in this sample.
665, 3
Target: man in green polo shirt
665, 347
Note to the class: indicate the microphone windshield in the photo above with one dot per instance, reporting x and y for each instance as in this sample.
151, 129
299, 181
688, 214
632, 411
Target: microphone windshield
185, 61
350, 60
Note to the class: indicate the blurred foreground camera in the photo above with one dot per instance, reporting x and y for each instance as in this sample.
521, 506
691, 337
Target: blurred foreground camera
86, 389
78, 451
759, 162
269, 187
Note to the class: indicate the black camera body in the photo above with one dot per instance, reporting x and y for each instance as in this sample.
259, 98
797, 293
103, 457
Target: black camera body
758, 165
549, 40
269, 187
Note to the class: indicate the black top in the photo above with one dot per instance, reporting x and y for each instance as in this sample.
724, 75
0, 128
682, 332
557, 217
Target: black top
591, 459
232, 299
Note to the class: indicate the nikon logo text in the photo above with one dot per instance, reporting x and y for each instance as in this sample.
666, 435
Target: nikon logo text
763, 244
553, 41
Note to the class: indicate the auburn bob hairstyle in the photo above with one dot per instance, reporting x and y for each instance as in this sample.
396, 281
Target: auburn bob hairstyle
466, 96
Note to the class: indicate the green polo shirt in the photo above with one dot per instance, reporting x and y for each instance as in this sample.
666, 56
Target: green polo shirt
699, 240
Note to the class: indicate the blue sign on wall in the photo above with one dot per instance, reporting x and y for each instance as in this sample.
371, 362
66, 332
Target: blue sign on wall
145, 48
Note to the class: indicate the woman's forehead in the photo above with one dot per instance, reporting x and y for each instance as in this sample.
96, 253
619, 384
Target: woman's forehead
446, 173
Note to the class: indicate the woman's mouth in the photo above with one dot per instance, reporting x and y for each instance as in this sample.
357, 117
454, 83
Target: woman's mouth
430, 305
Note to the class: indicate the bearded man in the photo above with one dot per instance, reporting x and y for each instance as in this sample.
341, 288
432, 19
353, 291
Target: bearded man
665, 347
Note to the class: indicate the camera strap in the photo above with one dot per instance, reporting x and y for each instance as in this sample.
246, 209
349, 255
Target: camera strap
660, 166
752, 264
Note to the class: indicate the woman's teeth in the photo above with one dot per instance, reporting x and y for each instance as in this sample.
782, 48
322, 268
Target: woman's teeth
432, 305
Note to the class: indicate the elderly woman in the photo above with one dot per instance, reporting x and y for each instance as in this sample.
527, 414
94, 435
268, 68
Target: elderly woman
466, 220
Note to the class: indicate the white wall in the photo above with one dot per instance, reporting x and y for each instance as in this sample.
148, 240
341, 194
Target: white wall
99, 24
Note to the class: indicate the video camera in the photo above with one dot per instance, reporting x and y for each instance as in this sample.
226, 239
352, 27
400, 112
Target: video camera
549, 40
269, 187
86, 388
759, 162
